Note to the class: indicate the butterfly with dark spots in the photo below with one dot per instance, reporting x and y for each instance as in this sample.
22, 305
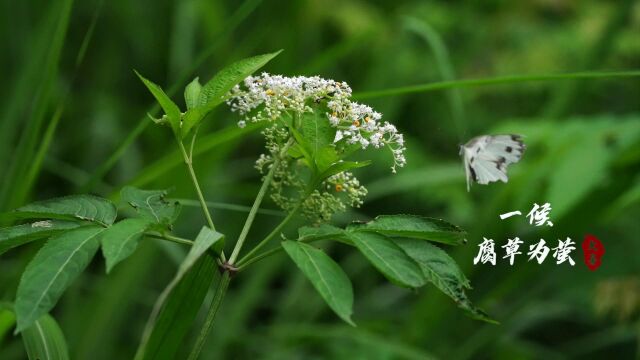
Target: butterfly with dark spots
487, 157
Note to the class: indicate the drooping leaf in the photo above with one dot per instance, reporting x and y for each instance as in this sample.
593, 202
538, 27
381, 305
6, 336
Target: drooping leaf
192, 93
14, 236
214, 90
163, 339
170, 108
166, 302
388, 258
74, 207
416, 227
443, 272
44, 340
52, 270
326, 276
120, 240
151, 204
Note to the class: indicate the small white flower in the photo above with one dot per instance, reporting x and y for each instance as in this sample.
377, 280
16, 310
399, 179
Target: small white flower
338, 136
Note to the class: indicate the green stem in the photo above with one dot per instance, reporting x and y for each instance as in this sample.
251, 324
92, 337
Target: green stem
171, 238
203, 204
256, 206
276, 250
189, 162
275, 232
211, 315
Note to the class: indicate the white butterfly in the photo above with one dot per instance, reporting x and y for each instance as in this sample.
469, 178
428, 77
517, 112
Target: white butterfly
486, 157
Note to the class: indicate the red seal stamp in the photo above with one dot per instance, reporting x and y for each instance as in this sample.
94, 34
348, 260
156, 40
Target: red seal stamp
593, 251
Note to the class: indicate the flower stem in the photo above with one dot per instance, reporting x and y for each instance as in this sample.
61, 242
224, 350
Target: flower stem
271, 235
211, 315
265, 254
254, 210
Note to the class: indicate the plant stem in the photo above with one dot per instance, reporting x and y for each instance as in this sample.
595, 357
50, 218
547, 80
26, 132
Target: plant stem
171, 238
203, 204
211, 315
254, 210
275, 232
243, 265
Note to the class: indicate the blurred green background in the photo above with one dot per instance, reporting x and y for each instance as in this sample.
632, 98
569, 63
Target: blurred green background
70, 99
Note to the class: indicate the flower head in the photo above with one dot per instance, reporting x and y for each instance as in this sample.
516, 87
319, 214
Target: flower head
284, 102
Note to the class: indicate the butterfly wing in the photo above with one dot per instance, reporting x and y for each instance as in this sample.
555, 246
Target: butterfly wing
486, 158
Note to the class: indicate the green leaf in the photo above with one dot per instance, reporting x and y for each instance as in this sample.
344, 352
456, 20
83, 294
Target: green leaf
317, 131
151, 204
323, 232
162, 340
52, 270
205, 240
121, 240
75, 207
192, 93
213, 92
441, 270
343, 166
22, 234
44, 340
326, 276
325, 157
416, 227
388, 258
170, 108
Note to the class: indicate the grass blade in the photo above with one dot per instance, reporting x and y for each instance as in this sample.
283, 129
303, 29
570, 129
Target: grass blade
509, 79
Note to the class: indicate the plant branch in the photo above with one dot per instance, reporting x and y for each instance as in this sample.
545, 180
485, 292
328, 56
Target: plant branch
252, 213
271, 235
170, 237
247, 262
256, 206
196, 185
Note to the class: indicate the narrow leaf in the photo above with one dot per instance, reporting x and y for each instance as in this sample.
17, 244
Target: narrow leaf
441, 270
192, 93
52, 270
22, 234
151, 204
44, 340
75, 207
389, 259
121, 240
326, 276
163, 338
170, 108
213, 92
205, 240
417, 227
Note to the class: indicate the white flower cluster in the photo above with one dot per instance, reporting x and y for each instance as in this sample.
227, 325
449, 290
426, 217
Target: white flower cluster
267, 97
